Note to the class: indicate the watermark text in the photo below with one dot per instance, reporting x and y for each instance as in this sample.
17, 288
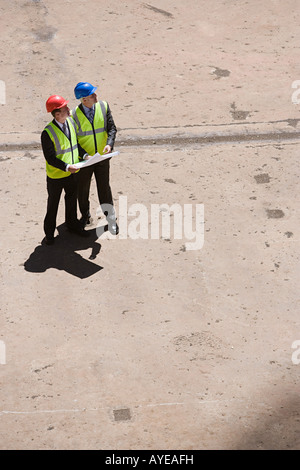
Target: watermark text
2, 92
296, 353
2, 353
296, 93
175, 221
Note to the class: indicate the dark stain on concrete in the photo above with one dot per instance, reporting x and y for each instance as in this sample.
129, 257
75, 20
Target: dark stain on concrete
170, 180
274, 213
122, 414
237, 114
262, 178
45, 33
29, 155
158, 10
221, 73
293, 122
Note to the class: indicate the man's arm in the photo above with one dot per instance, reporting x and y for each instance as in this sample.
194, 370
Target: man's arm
49, 152
111, 129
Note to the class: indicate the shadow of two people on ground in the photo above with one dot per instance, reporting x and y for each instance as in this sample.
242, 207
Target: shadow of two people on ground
63, 254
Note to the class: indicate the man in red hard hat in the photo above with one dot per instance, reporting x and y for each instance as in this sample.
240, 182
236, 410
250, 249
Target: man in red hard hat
59, 144
96, 132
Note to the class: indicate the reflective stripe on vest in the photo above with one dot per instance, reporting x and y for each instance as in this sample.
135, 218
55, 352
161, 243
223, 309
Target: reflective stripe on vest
65, 150
88, 133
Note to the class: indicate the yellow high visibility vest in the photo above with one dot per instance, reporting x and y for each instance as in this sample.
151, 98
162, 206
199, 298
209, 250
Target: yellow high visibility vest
92, 137
65, 150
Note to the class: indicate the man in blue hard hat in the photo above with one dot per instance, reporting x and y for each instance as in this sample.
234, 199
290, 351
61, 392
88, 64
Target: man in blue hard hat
96, 132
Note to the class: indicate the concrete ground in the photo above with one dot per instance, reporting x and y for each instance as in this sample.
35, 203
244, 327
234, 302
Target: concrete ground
121, 343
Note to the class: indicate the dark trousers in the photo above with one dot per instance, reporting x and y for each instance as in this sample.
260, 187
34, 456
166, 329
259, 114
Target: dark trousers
54, 189
101, 172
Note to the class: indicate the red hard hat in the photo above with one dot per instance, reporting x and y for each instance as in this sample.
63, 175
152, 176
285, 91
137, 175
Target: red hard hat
55, 102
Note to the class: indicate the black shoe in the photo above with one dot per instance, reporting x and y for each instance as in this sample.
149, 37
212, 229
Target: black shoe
48, 240
85, 221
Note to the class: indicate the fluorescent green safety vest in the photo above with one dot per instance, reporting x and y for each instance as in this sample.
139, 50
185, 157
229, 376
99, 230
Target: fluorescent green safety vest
92, 137
65, 150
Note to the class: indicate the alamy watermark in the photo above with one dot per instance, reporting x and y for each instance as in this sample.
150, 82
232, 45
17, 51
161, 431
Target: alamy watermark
180, 222
2, 92
296, 353
296, 93
2, 353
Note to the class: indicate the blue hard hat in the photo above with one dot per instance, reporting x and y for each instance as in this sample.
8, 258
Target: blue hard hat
83, 89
